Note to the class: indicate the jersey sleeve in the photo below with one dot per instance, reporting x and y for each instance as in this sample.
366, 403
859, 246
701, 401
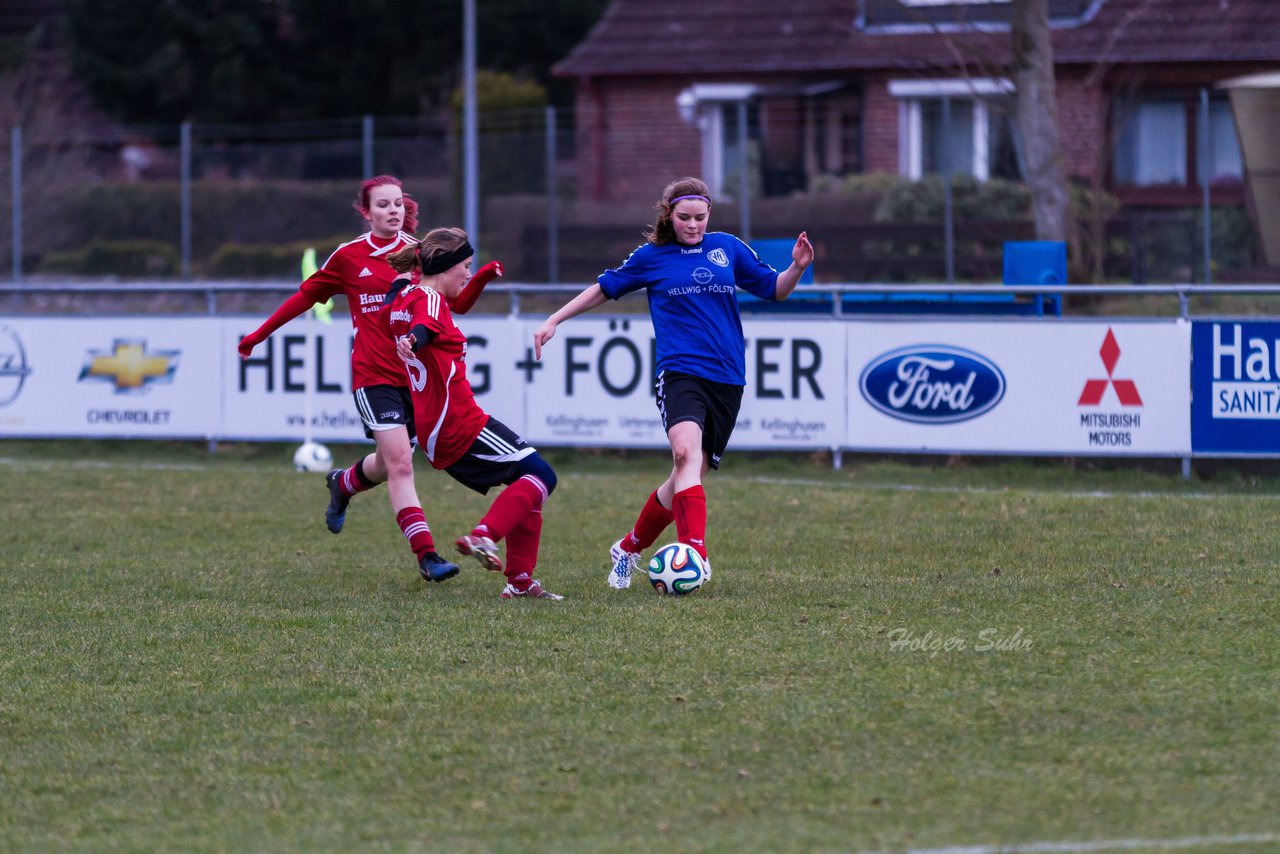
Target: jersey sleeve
327, 281
633, 275
751, 274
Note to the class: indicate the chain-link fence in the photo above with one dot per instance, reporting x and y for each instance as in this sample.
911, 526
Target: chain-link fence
217, 202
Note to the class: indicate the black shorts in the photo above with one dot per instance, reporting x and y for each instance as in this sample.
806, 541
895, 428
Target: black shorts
385, 407
711, 405
493, 458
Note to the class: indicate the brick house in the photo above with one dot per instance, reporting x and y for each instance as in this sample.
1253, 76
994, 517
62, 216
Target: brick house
836, 87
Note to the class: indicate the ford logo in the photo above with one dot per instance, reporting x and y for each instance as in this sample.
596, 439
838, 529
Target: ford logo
932, 384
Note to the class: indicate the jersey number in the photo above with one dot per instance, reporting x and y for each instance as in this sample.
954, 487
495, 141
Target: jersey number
417, 374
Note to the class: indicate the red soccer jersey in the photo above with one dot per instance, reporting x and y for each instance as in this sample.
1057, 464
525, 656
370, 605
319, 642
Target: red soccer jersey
359, 271
445, 411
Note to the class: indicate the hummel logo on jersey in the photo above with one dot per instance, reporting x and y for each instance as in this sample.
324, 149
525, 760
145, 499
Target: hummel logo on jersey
365, 272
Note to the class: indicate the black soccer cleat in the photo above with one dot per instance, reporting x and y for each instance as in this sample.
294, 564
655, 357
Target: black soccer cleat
336, 513
435, 568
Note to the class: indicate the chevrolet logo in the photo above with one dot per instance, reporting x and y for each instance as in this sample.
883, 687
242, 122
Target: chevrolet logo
129, 365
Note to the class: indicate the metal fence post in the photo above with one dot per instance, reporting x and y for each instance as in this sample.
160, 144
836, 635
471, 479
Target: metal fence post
15, 153
185, 199
470, 132
744, 182
366, 146
1206, 178
948, 217
553, 202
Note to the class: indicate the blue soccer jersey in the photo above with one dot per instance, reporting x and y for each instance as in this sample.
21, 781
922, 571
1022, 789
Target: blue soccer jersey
693, 301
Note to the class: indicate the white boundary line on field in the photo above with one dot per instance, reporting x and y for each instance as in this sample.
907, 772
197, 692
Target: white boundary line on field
765, 479
103, 464
988, 490
1101, 845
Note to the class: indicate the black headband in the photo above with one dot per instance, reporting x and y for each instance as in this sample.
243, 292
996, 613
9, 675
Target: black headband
437, 264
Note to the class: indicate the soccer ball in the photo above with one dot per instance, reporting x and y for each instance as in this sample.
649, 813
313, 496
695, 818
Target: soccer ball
677, 569
312, 456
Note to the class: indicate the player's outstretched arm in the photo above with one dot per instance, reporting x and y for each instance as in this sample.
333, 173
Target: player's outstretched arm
288, 310
585, 301
801, 258
486, 274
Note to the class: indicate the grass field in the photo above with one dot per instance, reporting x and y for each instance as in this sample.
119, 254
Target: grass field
893, 656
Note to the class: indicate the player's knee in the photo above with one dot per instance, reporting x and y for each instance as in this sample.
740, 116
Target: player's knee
686, 453
535, 465
399, 466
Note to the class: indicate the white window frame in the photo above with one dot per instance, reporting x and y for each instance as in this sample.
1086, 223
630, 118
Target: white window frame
703, 104
910, 94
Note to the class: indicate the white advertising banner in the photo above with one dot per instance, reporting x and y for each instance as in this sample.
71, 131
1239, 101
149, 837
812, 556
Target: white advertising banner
304, 370
122, 377
1055, 388
594, 385
1063, 387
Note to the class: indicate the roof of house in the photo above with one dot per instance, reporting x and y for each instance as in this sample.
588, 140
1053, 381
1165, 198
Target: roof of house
648, 37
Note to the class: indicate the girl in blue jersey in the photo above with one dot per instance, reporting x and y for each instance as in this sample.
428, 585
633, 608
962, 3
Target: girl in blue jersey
691, 277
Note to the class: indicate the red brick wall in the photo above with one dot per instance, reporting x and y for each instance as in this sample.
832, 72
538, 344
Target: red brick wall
631, 139
1082, 125
879, 127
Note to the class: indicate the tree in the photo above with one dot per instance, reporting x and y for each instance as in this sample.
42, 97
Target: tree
1037, 117
167, 62
251, 61
36, 96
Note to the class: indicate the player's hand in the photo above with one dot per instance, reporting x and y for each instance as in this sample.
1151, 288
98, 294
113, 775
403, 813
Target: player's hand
544, 334
487, 273
802, 252
463, 302
246, 345
404, 348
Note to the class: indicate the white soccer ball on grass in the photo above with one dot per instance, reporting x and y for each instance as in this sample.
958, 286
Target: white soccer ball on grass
313, 457
677, 569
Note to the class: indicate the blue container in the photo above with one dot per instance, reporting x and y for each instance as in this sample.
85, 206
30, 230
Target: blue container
1037, 262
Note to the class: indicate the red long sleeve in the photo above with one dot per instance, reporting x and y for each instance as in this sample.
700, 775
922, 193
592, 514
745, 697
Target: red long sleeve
288, 310
471, 292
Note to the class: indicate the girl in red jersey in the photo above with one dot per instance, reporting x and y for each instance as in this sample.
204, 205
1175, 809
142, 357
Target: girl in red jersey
457, 435
359, 271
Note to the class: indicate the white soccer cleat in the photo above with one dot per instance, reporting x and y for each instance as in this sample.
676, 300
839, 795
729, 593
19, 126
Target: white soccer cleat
482, 549
625, 563
535, 590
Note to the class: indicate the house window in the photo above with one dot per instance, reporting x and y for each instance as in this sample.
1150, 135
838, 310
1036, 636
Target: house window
837, 136
1152, 144
714, 108
961, 126
947, 136
1158, 137
1222, 162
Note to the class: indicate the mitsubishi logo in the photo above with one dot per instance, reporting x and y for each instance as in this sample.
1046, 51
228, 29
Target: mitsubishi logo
1126, 390
129, 366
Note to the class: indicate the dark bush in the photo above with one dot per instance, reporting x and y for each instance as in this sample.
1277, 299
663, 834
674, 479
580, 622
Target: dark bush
133, 259
266, 260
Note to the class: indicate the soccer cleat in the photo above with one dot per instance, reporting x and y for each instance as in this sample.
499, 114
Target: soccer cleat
482, 549
435, 568
624, 564
336, 513
534, 591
